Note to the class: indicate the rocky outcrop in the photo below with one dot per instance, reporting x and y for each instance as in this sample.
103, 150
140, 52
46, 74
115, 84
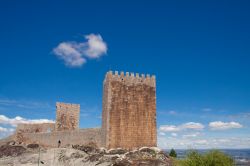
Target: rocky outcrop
147, 156
81, 155
8, 150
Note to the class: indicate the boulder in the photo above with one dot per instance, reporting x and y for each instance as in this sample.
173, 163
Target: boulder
117, 151
8, 150
33, 146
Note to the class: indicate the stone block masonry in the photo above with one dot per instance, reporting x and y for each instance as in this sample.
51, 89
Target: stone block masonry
35, 127
32, 128
67, 116
129, 111
80, 137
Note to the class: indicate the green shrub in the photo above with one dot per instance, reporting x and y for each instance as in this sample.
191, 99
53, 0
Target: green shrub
216, 157
194, 159
211, 158
172, 153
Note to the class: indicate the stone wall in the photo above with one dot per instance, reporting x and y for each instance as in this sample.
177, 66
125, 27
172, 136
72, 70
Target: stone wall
35, 127
80, 137
129, 111
32, 128
67, 116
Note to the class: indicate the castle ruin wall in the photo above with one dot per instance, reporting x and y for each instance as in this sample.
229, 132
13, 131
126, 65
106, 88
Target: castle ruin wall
80, 137
35, 127
32, 128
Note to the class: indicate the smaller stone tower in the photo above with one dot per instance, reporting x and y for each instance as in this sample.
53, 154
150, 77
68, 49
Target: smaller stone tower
67, 116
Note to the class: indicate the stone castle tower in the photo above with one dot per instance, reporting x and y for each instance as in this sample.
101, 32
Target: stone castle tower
129, 111
67, 116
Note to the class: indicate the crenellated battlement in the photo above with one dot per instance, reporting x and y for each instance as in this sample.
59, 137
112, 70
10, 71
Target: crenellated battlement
131, 78
67, 106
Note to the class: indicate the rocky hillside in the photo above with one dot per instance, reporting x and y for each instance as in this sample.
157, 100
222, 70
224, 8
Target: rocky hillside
76, 155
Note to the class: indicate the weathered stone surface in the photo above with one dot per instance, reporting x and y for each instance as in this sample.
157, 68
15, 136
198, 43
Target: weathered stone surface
67, 116
88, 148
81, 137
35, 128
8, 150
32, 128
33, 146
129, 111
80, 156
117, 151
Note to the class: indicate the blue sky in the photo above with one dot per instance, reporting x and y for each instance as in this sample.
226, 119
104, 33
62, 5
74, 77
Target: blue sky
198, 50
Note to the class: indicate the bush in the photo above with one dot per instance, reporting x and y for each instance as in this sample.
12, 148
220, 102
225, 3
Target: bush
194, 159
172, 153
211, 158
215, 157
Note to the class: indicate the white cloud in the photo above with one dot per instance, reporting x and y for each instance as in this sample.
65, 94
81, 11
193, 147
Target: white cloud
174, 134
219, 125
2, 129
17, 120
191, 135
4, 132
169, 128
193, 125
162, 133
68, 51
75, 54
8, 130
203, 143
185, 126
96, 47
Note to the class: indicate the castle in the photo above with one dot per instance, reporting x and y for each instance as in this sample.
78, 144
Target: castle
128, 117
